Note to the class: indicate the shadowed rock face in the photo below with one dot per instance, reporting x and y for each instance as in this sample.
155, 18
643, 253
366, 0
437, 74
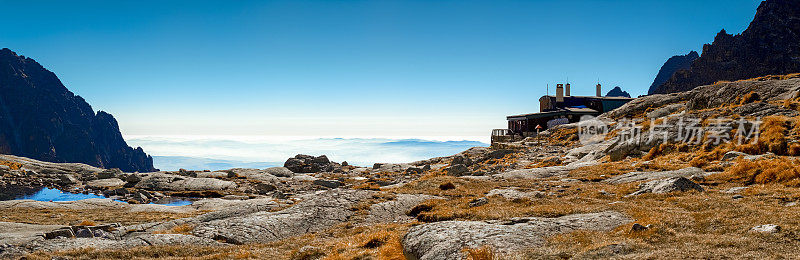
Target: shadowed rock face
769, 46
41, 119
674, 64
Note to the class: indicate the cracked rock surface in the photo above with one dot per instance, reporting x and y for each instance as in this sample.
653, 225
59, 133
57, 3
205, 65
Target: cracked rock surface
446, 239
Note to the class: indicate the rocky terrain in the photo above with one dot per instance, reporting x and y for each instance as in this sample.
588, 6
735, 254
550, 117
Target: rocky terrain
555, 195
41, 119
769, 46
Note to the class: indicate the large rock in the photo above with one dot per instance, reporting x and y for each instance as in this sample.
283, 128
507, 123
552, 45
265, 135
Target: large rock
221, 209
447, 239
255, 174
668, 185
395, 210
317, 212
105, 183
543, 172
41, 119
302, 163
170, 182
19, 233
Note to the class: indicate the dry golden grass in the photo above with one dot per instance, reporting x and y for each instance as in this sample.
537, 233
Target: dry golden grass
549, 162
750, 98
481, 253
184, 229
11, 165
340, 242
773, 77
779, 170
74, 217
691, 225
87, 223
772, 138
665, 148
562, 137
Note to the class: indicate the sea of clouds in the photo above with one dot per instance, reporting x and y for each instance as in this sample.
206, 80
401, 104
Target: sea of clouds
225, 152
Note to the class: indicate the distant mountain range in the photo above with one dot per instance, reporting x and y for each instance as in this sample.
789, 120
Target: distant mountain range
41, 119
174, 163
769, 46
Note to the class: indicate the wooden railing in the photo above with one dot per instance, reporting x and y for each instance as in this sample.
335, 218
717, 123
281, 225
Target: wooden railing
501, 132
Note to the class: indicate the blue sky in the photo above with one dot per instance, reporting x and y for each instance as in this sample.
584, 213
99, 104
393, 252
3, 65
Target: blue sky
350, 68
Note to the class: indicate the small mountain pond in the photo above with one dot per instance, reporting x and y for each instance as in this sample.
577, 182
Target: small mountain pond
11, 192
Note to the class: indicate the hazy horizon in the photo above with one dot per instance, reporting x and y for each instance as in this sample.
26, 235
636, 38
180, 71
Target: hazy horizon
225, 152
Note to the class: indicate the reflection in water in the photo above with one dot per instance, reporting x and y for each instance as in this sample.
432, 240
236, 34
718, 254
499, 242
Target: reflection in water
10, 192
48, 194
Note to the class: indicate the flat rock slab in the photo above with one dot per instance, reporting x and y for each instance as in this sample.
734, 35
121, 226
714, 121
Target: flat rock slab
544, 172
74, 205
18, 233
171, 182
395, 210
93, 204
315, 213
105, 183
260, 175
447, 239
245, 208
60, 244
649, 176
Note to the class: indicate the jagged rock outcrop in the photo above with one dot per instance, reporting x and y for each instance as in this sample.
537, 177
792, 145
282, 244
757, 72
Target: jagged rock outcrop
674, 64
302, 163
41, 119
769, 46
617, 92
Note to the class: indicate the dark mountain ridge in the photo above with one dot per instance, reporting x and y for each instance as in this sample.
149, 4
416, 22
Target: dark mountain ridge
769, 46
41, 119
674, 64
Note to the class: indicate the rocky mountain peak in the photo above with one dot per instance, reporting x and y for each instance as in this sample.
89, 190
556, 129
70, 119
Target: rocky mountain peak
41, 119
617, 92
769, 46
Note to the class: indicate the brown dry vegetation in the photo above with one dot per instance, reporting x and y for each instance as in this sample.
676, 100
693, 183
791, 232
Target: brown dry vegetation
11, 165
74, 217
779, 170
341, 242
